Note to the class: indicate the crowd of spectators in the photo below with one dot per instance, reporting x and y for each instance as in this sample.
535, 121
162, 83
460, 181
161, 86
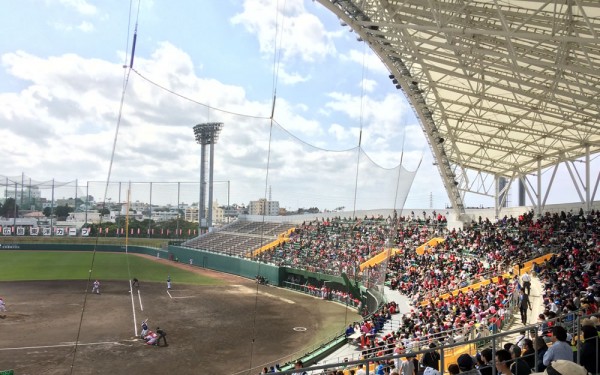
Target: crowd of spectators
482, 250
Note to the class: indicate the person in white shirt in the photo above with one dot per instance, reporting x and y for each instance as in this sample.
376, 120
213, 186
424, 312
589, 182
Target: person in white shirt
2, 308
361, 370
526, 279
96, 288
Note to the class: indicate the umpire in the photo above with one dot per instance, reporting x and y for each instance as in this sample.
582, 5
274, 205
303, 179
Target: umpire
162, 335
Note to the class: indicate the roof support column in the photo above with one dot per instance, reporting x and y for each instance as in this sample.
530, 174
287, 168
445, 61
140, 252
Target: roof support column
539, 188
588, 201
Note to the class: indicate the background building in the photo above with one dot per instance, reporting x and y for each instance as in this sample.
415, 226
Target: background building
263, 207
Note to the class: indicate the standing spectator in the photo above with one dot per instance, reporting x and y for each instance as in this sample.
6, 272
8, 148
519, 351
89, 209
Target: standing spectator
560, 348
526, 279
161, 335
169, 282
96, 288
361, 370
406, 366
589, 349
524, 304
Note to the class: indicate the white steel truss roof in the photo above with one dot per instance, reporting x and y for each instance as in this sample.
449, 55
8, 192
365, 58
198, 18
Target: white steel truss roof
503, 87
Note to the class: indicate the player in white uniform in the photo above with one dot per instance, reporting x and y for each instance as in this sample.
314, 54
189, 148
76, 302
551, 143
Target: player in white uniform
96, 288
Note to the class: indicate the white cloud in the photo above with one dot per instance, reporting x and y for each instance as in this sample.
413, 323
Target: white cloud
293, 30
368, 85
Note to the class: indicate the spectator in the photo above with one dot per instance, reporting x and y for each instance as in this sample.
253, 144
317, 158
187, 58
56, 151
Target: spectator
540, 345
503, 360
518, 366
528, 353
485, 362
467, 365
589, 349
560, 348
453, 369
298, 366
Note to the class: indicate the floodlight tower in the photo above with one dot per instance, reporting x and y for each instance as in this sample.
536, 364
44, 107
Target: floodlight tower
206, 134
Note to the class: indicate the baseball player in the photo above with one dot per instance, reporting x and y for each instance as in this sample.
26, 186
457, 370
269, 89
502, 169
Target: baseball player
96, 288
2, 308
144, 328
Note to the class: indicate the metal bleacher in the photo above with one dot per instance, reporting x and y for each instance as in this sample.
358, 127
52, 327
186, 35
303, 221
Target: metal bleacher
239, 238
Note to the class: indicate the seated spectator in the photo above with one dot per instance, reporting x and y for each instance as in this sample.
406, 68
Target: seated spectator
518, 366
540, 345
466, 365
503, 362
528, 353
485, 362
453, 369
589, 349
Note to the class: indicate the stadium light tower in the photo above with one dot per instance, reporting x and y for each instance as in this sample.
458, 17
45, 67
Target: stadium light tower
206, 134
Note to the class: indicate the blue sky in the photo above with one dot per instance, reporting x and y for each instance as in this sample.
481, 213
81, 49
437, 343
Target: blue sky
62, 75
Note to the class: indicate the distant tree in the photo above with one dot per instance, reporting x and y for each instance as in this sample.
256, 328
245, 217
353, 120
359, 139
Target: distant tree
47, 211
104, 211
63, 211
9, 209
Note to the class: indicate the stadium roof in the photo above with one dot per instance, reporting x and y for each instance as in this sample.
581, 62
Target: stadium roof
500, 87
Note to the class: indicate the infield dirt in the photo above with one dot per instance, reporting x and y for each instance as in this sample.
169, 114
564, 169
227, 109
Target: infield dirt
223, 329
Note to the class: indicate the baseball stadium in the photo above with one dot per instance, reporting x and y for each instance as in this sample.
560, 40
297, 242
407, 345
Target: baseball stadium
139, 282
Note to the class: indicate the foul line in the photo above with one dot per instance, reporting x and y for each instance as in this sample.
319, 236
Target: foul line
133, 308
169, 294
140, 298
63, 345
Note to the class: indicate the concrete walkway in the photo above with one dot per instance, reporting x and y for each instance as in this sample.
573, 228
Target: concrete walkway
537, 308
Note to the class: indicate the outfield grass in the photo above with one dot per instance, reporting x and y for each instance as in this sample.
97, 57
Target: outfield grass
50, 265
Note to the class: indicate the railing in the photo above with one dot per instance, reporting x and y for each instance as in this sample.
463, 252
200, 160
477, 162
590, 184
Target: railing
316, 292
445, 352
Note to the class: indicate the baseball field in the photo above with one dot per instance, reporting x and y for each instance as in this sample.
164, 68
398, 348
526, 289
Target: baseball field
216, 323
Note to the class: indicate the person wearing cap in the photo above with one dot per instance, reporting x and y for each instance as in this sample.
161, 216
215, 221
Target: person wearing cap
466, 365
299, 365
563, 367
560, 348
